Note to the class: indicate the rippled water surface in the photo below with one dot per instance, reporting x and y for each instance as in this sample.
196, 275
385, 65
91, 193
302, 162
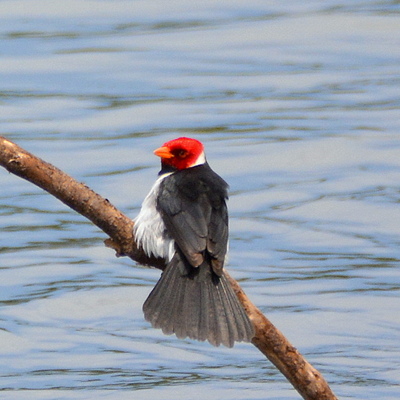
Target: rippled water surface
297, 104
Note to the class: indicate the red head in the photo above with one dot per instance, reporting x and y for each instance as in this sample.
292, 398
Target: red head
181, 153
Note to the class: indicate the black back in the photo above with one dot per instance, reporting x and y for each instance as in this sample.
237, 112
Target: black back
192, 203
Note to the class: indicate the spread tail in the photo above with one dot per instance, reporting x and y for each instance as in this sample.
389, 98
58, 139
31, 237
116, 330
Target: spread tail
197, 304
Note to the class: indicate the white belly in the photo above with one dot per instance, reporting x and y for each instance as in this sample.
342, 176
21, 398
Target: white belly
149, 229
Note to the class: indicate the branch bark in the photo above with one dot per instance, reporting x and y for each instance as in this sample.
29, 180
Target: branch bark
268, 339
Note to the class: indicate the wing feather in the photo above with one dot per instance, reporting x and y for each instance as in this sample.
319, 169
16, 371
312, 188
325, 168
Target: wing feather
193, 207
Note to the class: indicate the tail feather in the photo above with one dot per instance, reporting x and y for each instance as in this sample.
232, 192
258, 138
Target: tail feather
228, 312
218, 329
191, 310
163, 314
198, 305
204, 324
239, 330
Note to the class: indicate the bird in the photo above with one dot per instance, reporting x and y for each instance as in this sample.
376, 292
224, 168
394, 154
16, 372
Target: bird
184, 221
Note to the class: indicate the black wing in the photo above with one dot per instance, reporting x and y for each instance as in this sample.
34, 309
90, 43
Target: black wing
192, 203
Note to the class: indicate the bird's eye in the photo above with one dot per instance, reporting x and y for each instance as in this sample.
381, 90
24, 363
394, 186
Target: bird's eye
182, 153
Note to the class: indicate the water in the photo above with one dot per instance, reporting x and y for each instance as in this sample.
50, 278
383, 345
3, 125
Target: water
297, 104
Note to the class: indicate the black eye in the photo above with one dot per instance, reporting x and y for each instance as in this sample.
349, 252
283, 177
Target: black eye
182, 153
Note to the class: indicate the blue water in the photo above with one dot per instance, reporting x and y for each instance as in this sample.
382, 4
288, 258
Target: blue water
298, 107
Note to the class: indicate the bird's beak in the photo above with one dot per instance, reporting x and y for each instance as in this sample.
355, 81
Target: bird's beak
163, 152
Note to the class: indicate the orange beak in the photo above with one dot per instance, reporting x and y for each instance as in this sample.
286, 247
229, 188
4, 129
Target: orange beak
163, 152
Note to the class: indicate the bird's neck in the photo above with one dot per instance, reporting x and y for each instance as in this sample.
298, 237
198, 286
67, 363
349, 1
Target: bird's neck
168, 169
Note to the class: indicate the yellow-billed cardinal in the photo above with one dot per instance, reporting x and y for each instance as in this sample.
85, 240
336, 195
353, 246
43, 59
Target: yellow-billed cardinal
184, 220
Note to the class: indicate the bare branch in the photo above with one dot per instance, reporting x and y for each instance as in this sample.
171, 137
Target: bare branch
77, 196
273, 344
268, 339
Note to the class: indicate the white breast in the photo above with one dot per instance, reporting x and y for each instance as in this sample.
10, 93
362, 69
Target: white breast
149, 228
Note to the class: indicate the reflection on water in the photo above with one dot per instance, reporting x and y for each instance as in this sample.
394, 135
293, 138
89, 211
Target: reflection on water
297, 105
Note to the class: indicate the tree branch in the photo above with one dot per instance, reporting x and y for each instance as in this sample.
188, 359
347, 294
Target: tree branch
268, 339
